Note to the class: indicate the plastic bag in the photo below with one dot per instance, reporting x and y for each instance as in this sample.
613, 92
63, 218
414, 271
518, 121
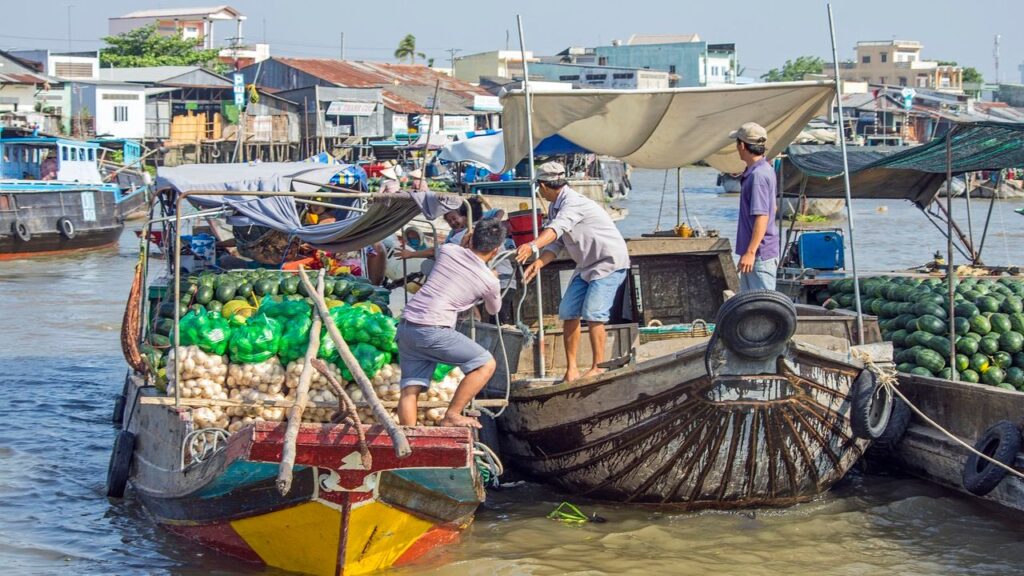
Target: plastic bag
441, 371
285, 309
295, 339
256, 340
370, 359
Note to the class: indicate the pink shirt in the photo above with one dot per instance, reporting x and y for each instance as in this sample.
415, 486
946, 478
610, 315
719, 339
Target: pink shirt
459, 279
388, 186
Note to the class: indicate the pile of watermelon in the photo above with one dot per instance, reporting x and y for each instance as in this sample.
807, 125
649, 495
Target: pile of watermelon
913, 313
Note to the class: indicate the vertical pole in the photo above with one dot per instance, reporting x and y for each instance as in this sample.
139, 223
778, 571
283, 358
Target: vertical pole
679, 197
970, 225
846, 178
533, 196
341, 46
782, 196
950, 270
988, 218
430, 130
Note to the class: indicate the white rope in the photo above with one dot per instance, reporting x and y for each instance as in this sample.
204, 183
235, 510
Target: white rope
889, 381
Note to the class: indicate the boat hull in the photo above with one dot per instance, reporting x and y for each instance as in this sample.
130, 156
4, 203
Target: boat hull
93, 214
338, 518
664, 432
967, 410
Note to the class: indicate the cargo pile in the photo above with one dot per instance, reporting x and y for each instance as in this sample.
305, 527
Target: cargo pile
988, 317
244, 335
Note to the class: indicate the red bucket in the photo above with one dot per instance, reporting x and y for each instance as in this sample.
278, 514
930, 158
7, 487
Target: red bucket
520, 224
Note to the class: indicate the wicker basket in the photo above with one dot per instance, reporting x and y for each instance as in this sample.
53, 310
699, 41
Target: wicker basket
655, 331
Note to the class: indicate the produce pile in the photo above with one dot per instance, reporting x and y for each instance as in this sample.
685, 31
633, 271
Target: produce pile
244, 336
914, 314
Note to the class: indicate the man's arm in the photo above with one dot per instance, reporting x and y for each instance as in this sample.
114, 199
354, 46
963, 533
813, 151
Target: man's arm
492, 299
545, 258
756, 235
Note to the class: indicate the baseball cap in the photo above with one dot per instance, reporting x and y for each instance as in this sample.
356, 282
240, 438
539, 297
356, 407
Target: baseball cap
550, 171
751, 133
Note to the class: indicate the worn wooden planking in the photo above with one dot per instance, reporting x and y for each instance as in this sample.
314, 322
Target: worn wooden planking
201, 402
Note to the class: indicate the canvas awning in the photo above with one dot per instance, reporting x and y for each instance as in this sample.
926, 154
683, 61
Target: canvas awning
489, 150
664, 128
386, 213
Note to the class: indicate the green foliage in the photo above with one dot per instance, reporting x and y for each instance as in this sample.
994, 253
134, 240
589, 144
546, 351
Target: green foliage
794, 70
972, 76
407, 49
145, 47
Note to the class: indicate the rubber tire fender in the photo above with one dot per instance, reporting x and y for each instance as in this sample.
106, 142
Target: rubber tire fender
739, 311
66, 227
120, 401
871, 407
1002, 442
120, 464
21, 231
899, 421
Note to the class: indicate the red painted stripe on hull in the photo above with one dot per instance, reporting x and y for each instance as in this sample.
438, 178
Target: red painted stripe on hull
434, 539
221, 537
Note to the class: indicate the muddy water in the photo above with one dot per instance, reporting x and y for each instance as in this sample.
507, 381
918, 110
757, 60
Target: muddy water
60, 367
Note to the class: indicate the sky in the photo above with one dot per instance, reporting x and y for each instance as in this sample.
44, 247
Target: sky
766, 34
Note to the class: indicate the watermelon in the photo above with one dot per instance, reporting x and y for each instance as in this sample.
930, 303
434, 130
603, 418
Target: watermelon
921, 371
1017, 322
927, 308
980, 325
1011, 342
946, 373
973, 336
899, 338
961, 325
940, 344
1015, 376
905, 367
963, 362
932, 324
988, 345
970, 376
967, 346
994, 376
1000, 322
930, 360
919, 338
903, 320
1018, 359
1002, 360
979, 363
908, 355
1012, 305
987, 304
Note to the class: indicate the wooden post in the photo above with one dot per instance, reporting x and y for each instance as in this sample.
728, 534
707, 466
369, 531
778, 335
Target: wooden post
402, 448
291, 434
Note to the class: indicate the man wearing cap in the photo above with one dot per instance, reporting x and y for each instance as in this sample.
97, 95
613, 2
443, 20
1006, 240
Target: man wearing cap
585, 231
757, 237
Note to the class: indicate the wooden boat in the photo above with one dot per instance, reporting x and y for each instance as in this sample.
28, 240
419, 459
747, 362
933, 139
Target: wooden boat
338, 517
665, 429
966, 410
75, 211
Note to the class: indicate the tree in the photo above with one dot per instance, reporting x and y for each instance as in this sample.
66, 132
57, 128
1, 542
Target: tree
795, 69
145, 47
407, 49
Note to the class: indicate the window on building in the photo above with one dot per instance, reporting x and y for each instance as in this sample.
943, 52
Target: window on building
92, 154
569, 78
190, 32
64, 153
73, 69
882, 80
120, 113
884, 57
865, 59
597, 76
672, 69
109, 96
903, 80
602, 61
623, 75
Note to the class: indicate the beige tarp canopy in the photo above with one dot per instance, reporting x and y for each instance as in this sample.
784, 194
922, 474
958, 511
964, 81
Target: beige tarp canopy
664, 128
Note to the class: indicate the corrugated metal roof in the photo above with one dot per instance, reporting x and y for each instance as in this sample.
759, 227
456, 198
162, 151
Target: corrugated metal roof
23, 79
402, 84
146, 74
164, 12
647, 39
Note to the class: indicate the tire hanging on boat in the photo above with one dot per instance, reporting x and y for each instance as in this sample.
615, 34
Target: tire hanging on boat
66, 227
756, 324
1001, 442
120, 464
21, 231
871, 407
899, 421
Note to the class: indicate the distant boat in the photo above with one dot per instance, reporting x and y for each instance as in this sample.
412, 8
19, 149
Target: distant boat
71, 209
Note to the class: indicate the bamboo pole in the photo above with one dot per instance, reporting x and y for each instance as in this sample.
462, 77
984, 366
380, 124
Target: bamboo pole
402, 448
291, 433
950, 270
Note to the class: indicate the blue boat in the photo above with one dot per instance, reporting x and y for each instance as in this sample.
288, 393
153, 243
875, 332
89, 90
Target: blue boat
53, 198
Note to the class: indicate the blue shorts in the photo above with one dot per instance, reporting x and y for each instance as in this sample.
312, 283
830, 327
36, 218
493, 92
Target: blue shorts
421, 348
592, 301
762, 277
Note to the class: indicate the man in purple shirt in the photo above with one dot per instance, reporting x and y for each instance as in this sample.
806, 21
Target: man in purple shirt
427, 335
757, 237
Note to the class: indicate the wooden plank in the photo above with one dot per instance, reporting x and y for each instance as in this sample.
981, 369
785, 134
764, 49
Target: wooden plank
390, 404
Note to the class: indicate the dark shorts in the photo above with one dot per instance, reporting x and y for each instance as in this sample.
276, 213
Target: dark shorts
421, 348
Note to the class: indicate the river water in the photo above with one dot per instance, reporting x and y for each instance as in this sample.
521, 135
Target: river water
60, 366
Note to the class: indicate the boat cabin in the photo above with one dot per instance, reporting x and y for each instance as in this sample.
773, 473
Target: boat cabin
29, 158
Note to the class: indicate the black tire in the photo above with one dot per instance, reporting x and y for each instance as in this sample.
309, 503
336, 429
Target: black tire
66, 227
120, 464
899, 421
871, 407
1001, 442
119, 402
756, 324
21, 231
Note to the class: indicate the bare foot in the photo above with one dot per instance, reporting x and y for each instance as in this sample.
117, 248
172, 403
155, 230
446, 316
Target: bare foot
571, 375
595, 371
461, 421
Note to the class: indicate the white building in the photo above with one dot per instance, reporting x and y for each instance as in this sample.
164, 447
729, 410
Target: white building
191, 23
66, 65
497, 63
116, 109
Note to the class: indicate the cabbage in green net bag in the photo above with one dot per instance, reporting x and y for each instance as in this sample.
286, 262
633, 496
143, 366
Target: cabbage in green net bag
189, 327
214, 333
370, 359
256, 340
440, 371
295, 339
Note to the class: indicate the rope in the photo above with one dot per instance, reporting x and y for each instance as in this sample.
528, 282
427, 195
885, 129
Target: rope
491, 465
889, 380
661, 206
198, 453
346, 410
